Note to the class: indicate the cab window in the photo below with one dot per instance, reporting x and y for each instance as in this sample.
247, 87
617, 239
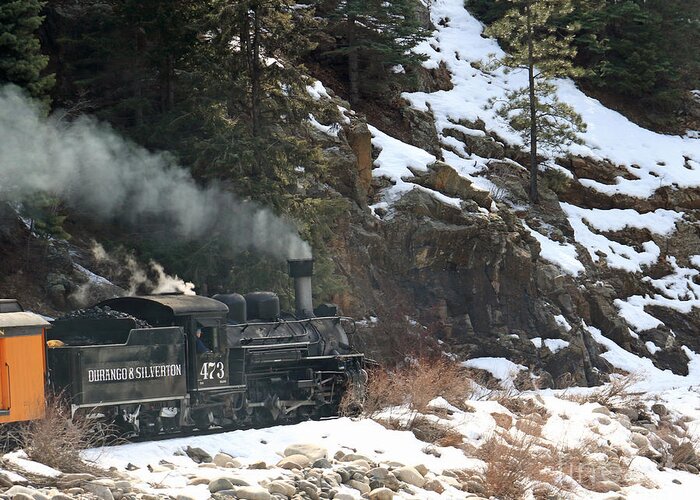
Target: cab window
210, 337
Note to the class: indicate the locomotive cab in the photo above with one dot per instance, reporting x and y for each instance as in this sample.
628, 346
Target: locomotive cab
22, 363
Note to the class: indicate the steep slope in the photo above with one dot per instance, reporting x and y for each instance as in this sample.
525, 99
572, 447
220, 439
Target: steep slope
453, 240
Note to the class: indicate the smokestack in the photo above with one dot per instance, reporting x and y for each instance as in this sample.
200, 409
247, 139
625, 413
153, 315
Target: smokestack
302, 270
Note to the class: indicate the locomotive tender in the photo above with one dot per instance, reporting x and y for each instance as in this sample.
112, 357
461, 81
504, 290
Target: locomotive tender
143, 367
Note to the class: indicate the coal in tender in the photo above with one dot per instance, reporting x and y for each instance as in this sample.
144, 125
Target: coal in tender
102, 313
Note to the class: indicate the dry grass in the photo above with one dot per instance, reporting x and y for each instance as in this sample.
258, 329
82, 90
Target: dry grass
581, 465
616, 393
426, 430
415, 385
520, 463
57, 440
516, 464
412, 387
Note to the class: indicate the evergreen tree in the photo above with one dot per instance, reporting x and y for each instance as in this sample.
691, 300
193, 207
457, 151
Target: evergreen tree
640, 49
536, 44
252, 61
372, 36
21, 61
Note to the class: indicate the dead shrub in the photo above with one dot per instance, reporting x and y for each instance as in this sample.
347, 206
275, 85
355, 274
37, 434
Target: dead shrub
515, 464
433, 432
57, 439
677, 446
412, 387
416, 384
578, 464
614, 394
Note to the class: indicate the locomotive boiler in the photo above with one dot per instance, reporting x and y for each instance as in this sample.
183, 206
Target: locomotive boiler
161, 363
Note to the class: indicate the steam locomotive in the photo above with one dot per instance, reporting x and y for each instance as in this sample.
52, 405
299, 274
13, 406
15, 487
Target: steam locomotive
163, 363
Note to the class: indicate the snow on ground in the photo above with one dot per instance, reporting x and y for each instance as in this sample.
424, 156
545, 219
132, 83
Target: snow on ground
563, 255
365, 437
502, 369
570, 421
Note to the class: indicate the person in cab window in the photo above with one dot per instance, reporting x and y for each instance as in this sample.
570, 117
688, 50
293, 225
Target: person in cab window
201, 346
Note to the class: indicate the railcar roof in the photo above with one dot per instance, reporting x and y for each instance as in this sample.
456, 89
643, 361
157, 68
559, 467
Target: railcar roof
21, 319
180, 305
10, 305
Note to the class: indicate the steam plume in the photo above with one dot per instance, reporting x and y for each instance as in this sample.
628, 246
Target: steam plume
92, 168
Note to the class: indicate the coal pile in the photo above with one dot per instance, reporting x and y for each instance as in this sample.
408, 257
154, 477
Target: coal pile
105, 312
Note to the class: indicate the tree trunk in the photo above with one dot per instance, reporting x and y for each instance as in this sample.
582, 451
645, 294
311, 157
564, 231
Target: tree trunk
534, 194
255, 75
353, 64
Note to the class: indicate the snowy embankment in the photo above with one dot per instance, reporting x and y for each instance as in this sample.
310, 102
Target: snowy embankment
632, 438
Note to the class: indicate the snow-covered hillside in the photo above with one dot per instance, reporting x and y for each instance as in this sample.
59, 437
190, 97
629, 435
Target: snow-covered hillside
641, 164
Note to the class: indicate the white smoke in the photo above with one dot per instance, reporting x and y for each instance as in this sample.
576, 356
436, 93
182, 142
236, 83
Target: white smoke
160, 283
94, 169
153, 279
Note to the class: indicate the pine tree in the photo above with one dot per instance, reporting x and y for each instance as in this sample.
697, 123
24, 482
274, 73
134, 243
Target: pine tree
373, 34
252, 60
640, 49
21, 61
538, 45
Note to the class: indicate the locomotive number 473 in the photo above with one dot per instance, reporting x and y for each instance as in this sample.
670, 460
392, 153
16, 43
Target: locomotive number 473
211, 371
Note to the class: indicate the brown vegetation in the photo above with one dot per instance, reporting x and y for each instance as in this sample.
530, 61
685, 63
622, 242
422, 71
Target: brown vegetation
57, 439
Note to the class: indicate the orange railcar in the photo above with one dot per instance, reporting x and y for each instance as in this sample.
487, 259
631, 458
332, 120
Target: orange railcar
22, 363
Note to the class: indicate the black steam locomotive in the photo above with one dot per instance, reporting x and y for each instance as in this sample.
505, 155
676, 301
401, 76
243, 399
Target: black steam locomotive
169, 362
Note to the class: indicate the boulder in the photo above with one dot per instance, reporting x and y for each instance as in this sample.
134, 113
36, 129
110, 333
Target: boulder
410, 475
606, 486
198, 455
293, 462
23, 490
322, 463
311, 490
344, 496
434, 485
659, 409
639, 440
219, 484
351, 457
381, 494
196, 481
310, 451
443, 178
252, 493
281, 488
422, 469
99, 490
359, 485
21, 496
226, 460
